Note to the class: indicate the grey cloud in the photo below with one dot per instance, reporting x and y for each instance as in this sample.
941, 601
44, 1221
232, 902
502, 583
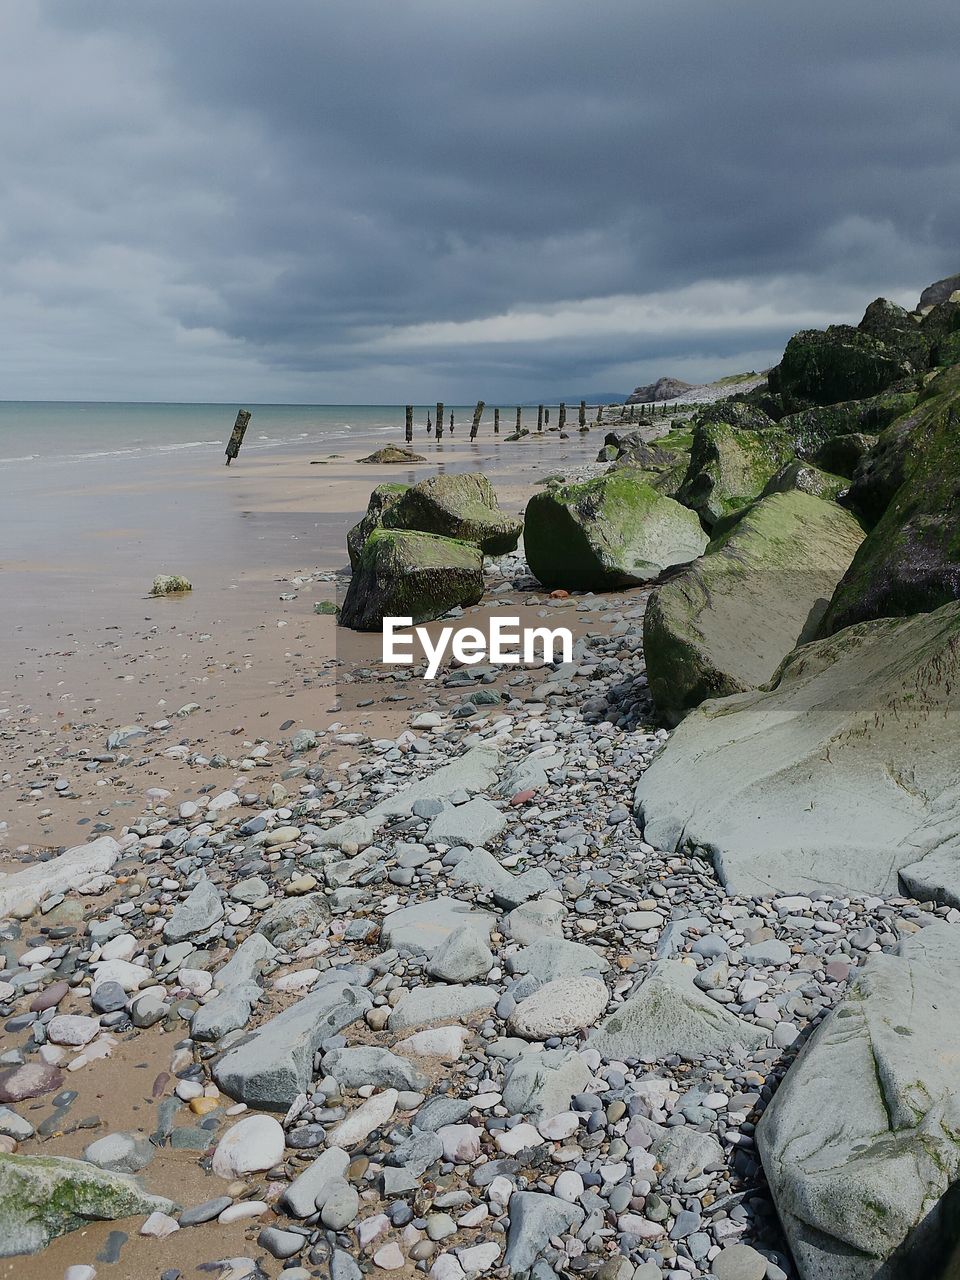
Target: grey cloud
290, 181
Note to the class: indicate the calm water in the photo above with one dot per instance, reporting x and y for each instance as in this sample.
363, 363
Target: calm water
36, 432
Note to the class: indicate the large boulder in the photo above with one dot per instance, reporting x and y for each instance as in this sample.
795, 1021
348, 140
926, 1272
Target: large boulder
897, 329
613, 531
861, 1144
833, 777
941, 291
838, 363
411, 575
42, 1197
911, 560
736, 450
813, 428
456, 506
804, 477
726, 622
662, 389
383, 497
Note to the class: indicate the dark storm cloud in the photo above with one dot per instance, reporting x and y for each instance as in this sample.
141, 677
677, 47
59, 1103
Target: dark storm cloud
394, 200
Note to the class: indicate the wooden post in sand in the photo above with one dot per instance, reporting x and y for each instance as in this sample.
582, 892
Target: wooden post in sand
236, 436
583, 415
519, 419
496, 422
599, 414
562, 418
429, 424
539, 417
439, 419
546, 417
477, 415
451, 422
408, 426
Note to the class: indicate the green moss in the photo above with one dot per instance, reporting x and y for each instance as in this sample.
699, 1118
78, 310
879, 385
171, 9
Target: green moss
456, 506
910, 563
612, 531
381, 500
730, 466
839, 363
403, 573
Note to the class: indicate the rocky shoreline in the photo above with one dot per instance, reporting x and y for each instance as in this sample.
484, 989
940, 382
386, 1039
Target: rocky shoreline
534, 985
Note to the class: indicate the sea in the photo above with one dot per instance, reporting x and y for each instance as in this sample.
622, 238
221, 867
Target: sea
73, 432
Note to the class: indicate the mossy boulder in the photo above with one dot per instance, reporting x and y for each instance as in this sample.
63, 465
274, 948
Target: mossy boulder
842, 455
898, 329
910, 563
832, 777
456, 506
726, 623
170, 584
392, 453
804, 477
736, 450
813, 428
613, 531
824, 366
405, 574
383, 497
42, 1197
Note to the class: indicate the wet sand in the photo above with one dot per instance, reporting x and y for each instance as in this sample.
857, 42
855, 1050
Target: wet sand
85, 649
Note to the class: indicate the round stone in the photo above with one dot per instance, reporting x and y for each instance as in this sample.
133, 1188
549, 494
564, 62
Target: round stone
254, 1143
559, 1008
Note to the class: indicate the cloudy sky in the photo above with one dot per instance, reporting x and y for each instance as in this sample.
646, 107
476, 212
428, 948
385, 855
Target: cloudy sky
389, 200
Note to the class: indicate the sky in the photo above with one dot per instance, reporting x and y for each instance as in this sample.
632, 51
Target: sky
383, 201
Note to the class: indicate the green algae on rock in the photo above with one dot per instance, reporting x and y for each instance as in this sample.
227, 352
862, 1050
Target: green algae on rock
736, 450
839, 363
726, 622
383, 497
456, 506
404, 574
612, 531
169, 584
910, 562
42, 1197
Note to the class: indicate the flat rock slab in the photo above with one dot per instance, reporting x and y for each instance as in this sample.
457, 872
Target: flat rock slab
276, 1063
550, 958
670, 1015
860, 1143
440, 1004
425, 925
307, 1191
199, 911
831, 781
72, 870
475, 823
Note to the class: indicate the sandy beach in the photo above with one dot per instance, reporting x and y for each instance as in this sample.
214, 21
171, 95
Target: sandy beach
85, 649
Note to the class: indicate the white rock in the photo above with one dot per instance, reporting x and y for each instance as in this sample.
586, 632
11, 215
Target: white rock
243, 1209
479, 1257
559, 1008
72, 1029
159, 1225
71, 870
197, 981
461, 1142
499, 1191
445, 1043
225, 800
123, 947
128, 975
510, 1141
557, 1128
359, 1124
568, 1186
254, 1143
446, 1267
